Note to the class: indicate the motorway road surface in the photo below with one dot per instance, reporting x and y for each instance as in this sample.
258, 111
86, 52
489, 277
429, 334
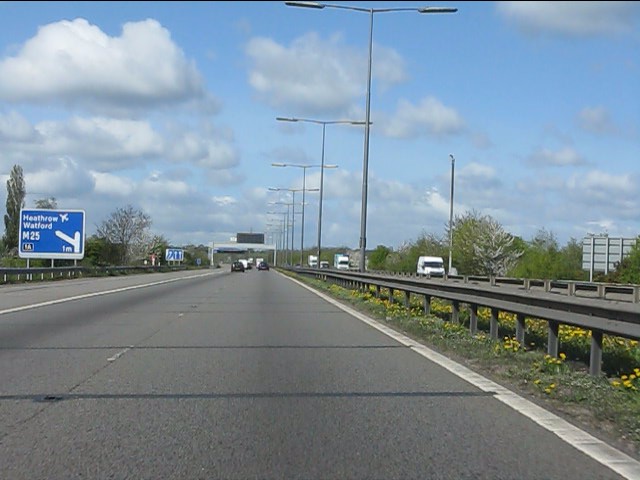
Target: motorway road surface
213, 375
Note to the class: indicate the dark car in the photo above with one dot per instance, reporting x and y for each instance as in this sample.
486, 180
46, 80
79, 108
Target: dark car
263, 266
237, 267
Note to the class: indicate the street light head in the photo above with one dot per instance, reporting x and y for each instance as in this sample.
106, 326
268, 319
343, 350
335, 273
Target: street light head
278, 164
437, 10
331, 166
274, 189
451, 155
304, 4
285, 119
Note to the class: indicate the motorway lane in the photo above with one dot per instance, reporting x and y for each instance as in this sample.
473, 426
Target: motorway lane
246, 376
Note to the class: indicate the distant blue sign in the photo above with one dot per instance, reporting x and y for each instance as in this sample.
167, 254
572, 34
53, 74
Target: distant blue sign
51, 234
174, 255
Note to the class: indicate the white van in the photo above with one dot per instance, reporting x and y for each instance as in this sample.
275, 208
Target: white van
432, 266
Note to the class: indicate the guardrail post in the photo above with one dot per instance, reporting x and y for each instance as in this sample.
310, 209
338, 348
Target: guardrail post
595, 360
492, 280
493, 326
407, 299
377, 291
455, 312
552, 338
636, 294
391, 295
547, 285
602, 292
520, 328
571, 289
527, 284
426, 304
473, 318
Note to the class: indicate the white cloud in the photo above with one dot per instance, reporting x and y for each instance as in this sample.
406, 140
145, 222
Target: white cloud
596, 120
572, 18
604, 185
62, 178
316, 75
203, 150
114, 142
110, 185
429, 117
73, 61
108, 145
563, 157
16, 128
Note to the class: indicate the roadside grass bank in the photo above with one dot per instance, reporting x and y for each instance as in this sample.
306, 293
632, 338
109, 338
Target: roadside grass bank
607, 406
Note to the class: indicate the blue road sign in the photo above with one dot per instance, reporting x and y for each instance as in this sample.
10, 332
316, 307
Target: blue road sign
174, 255
51, 234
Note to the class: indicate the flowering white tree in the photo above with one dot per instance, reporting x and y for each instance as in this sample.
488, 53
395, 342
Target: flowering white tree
494, 249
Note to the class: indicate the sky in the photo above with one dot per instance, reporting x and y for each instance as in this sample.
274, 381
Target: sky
171, 107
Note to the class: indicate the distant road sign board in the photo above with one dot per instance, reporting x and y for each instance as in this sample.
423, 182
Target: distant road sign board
603, 254
51, 234
174, 255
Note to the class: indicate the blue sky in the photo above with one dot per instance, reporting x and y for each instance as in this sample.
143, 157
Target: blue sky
171, 107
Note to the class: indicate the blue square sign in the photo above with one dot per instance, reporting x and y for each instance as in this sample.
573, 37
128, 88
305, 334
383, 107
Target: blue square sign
51, 234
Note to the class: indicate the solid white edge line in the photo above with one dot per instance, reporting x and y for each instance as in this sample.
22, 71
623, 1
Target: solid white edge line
97, 294
610, 457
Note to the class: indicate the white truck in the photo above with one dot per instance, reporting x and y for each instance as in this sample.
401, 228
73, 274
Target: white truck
313, 261
341, 261
432, 266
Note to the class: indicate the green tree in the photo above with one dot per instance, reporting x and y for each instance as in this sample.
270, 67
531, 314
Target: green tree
540, 257
100, 252
543, 258
16, 192
628, 270
405, 259
378, 258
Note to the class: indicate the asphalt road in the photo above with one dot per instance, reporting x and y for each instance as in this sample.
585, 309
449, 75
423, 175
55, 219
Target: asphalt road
241, 376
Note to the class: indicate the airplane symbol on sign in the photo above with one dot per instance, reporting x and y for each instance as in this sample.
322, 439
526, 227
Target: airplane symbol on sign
64, 217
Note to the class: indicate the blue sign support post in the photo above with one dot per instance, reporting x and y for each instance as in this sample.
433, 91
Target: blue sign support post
51, 234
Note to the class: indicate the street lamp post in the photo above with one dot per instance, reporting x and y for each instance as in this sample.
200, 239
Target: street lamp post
453, 161
365, 163
283, 236
304, 189
324, 124
293, 207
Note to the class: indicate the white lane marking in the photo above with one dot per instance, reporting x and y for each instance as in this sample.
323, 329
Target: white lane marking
593, 447
97, 294
119, 354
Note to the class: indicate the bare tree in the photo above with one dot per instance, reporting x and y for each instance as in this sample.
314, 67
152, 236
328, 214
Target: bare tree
16, 191
128, 228
47, 203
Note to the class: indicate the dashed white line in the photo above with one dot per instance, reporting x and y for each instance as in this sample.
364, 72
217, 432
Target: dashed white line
119, 354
